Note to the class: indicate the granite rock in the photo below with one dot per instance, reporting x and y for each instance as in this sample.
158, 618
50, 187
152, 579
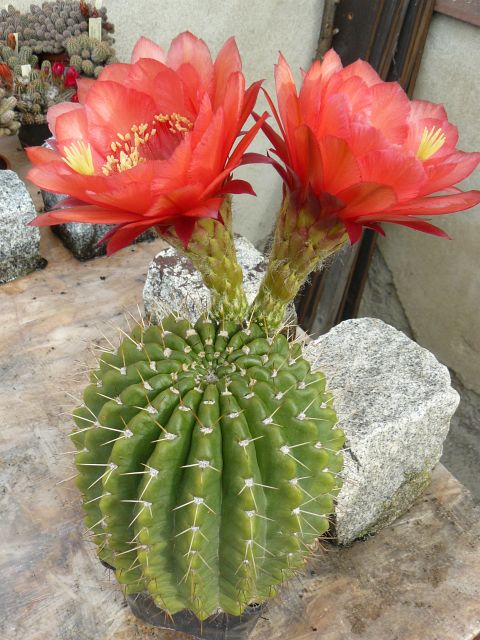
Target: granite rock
174, 283
394, 401
19, 243
82, 239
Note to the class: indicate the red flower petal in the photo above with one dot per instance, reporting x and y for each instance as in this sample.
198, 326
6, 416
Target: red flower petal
390, 111
184, 229
354, 231
436, 205
365, 198
453, 169
237, 186
146, 48
362, 70
57, 110
117, 108
422, 225
405, 174
90, 214
340, 167
208, 158
288, 105
41, 155
422, 109
83, 87
71, 125
228, 61
123, 236
117, 72
187, 49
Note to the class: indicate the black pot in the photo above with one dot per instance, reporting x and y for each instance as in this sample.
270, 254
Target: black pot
33, 135
219, 627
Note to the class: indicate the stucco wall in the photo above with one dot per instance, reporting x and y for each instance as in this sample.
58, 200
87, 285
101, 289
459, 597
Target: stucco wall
262, 28
438, 281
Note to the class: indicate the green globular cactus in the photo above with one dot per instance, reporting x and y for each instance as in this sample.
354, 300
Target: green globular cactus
208, 460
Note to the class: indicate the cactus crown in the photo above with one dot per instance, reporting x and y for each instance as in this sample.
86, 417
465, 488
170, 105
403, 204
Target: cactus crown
208, 460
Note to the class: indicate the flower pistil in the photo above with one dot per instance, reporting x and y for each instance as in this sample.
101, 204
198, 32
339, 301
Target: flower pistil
79, 157
432, 141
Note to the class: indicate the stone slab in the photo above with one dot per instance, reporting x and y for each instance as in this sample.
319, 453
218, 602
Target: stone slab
19, 243
82, 239
394, 401
174, 283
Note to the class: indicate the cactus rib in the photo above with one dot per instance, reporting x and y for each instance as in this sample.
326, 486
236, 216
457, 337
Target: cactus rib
208, 461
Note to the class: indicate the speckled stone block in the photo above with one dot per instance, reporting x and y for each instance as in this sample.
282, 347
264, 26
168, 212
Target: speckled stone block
82, 239
19, 243
394, 401
173, 282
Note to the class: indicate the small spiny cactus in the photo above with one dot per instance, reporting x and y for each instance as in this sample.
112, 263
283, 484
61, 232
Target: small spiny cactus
9, 124
208, 459
89, 56
37, 93
16, 60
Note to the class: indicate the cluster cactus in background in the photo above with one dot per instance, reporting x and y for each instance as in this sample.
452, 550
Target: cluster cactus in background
89, 56
52, 28
15, 61
39, 91
208, 455
9, 125
45, 28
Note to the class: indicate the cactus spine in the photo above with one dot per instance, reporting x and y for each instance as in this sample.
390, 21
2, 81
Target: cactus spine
208, 460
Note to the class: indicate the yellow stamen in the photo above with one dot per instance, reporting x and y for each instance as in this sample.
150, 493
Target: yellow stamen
126, 153
79, 157
176, 123
431, 142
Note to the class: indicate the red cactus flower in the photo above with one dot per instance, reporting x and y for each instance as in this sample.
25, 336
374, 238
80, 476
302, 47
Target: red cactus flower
58, 69
6, 75
150, 143
363, 151
71, 76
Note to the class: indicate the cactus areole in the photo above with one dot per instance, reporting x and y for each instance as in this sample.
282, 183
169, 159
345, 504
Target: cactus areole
208, 455
208, 460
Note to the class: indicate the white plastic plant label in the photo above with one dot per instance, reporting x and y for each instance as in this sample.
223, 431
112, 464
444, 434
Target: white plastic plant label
95, 28
26, 70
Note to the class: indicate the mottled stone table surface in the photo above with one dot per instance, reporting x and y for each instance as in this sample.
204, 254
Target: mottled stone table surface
418, 579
